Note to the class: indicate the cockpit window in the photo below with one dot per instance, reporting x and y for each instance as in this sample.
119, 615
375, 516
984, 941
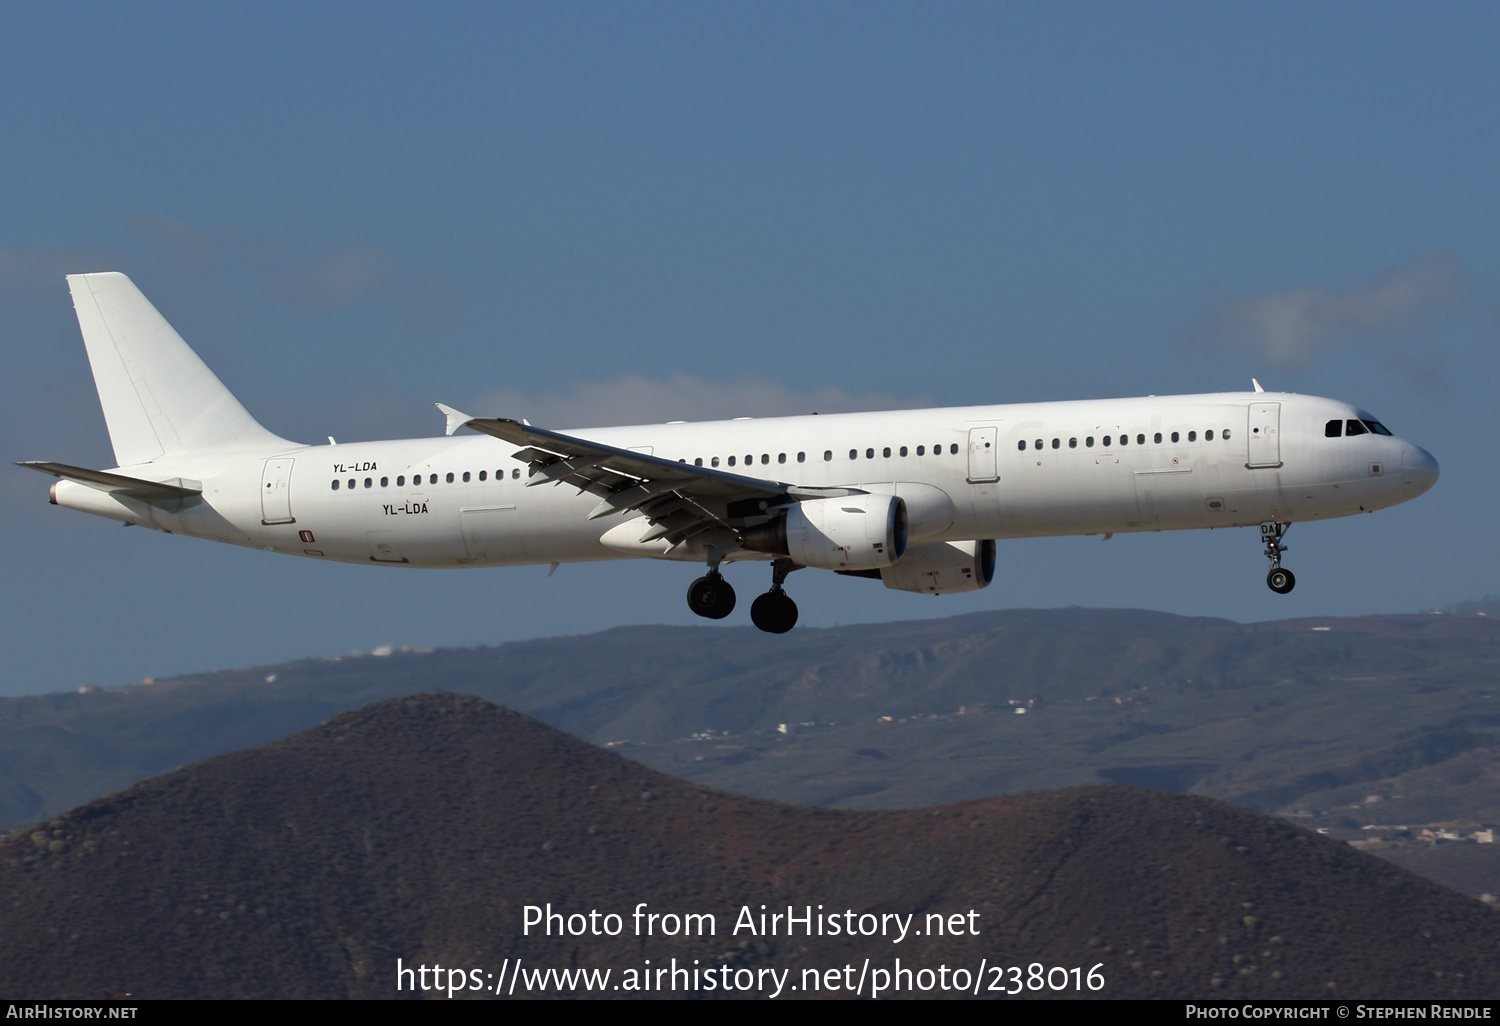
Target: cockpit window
1333, 429
1354, 427
1376, 427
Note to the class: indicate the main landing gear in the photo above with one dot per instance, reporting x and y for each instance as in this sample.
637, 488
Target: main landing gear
711, 596
1278, 580
774, 612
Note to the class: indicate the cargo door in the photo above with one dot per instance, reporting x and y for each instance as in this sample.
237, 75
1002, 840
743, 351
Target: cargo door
490, 534
383, 547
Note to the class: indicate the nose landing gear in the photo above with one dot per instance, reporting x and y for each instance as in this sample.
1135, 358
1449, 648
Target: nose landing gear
1278, 580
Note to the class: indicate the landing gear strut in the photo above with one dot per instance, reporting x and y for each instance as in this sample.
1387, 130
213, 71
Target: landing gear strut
775, 612
1278, 580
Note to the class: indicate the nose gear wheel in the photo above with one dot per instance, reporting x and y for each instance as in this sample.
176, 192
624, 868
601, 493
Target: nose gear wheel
1278, 580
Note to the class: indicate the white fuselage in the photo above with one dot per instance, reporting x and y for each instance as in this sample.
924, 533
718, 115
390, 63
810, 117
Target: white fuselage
1085, 467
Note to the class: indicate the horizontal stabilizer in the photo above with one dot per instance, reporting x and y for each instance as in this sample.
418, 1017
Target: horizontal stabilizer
135, 487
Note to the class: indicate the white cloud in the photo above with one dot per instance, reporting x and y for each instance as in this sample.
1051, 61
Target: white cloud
632, 399
341, 274
1292, 326
42, 270
345, 273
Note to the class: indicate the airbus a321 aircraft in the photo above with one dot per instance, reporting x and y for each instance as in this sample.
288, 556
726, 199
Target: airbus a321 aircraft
914, 498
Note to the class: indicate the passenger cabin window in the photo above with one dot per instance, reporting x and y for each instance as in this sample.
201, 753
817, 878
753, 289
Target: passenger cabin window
369, 483
854, 454
714, 462
1038, 444
516, 473
1089, 442
903, 450
1057, 443
765, 458
351, 484
886, 452
1124, 439
432, 479
869, 454
731, 461
1158, 438
1192, 436
385, 482
698, 462
827, 455
1175, 436
1019, 445
1106, 440
466, 477
1208, 436
1224, 434
1354, 427
401, 481
482, 474
954, 449
1072, 443
1140, 439
335, 485
450, 477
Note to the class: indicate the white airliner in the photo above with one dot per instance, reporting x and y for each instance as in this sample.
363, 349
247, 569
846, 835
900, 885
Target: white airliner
915, 498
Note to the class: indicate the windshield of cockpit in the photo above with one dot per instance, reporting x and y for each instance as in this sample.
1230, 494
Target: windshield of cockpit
1351, 427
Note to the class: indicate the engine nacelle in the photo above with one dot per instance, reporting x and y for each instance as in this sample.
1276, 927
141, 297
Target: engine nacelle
943, 568
852, 532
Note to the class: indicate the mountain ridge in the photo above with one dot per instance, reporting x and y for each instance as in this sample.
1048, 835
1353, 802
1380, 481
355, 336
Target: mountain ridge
420, 828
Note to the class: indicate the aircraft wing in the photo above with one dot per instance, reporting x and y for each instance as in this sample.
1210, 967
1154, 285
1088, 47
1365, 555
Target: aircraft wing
679, 498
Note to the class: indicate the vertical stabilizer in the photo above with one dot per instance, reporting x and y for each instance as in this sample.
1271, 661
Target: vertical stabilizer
158, 396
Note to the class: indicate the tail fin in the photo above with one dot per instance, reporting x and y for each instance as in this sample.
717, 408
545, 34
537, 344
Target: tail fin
158, 396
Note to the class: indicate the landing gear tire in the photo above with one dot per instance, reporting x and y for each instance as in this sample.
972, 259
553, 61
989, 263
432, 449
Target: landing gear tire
1279, 580
774, 612
711, 596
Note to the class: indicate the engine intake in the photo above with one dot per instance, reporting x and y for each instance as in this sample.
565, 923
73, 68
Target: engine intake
943, 568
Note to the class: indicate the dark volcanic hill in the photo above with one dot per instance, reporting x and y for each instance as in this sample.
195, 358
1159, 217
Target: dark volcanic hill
420, 827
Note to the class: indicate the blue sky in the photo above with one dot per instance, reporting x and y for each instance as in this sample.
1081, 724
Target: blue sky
596, 213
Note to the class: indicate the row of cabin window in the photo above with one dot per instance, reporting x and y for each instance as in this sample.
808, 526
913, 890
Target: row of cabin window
1335, 428
1124, 440
416, 479
765, 457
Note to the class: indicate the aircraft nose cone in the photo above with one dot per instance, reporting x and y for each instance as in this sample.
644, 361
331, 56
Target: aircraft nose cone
1418, 469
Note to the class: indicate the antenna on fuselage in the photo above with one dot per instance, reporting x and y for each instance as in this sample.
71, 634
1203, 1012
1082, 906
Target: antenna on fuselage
1257, 385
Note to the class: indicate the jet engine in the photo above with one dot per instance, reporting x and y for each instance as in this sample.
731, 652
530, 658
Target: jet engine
943, 568
852, 532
